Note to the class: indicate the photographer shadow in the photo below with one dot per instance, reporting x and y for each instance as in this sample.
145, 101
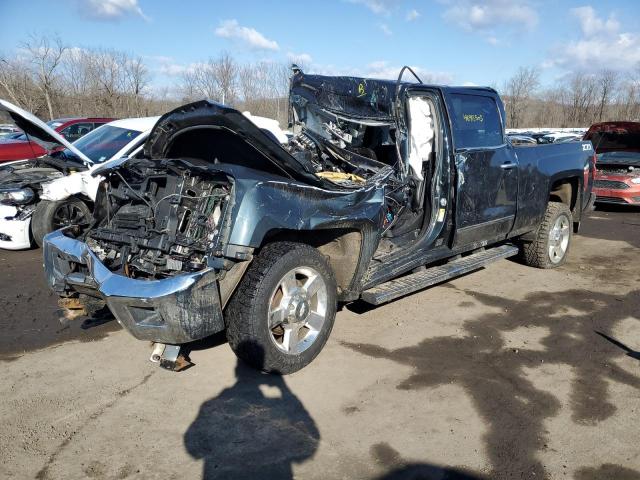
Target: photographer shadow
256, 428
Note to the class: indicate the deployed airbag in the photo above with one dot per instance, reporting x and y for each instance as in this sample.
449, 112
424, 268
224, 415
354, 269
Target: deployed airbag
421, 134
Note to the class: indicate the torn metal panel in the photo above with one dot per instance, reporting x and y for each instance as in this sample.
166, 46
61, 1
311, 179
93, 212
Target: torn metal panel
354, 97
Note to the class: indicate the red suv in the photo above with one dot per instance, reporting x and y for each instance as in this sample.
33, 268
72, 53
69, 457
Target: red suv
71, 129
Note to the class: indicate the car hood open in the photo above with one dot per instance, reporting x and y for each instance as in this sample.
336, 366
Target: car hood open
39, 131
207, 114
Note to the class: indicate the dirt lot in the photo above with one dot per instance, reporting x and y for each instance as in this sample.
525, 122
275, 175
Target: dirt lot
509, 372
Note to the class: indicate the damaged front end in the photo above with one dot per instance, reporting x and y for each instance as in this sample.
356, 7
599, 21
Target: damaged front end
150, 256
20, 187
174, 232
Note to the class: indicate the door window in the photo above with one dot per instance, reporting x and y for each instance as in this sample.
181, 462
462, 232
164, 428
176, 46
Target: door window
77, 130
475, 120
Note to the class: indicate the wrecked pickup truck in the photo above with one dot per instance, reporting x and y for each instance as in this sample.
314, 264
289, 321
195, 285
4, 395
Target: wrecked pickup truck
384, 189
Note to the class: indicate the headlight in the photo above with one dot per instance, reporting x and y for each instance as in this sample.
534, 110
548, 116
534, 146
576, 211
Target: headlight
636, 180
16, 197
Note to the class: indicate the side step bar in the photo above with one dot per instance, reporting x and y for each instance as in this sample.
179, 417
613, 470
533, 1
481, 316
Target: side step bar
385, 292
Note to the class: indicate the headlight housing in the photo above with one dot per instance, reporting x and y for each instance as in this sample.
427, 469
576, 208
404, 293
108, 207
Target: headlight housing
19, 196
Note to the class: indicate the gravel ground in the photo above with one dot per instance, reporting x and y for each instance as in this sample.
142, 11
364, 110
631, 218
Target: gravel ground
509, 372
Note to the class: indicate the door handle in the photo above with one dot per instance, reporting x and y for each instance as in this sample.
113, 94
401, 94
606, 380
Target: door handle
508, 165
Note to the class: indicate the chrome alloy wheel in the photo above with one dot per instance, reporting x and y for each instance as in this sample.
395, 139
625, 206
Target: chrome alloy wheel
298, 310
559, 239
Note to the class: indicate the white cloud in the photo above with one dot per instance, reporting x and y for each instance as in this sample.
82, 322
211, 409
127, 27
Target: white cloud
300, 58
110, 10
169, 66
385, 29
412, 15
384, 70
487, 16
380, 69
379, 7
601, 46
592, 25
232, 30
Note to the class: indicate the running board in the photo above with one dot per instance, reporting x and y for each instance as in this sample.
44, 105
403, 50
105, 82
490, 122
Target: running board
399, 287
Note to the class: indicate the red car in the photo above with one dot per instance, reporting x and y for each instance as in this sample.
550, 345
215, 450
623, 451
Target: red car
617, 145
71, 129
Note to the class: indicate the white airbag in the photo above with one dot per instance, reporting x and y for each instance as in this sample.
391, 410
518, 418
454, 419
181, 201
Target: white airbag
421, 134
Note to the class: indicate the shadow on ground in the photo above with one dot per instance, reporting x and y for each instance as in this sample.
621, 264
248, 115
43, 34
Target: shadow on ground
257, 428
496, 378
400, 469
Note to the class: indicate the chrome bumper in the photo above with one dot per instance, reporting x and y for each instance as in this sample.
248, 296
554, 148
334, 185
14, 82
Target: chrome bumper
174, 310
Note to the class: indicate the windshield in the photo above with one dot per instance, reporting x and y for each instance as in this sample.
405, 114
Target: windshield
103, 143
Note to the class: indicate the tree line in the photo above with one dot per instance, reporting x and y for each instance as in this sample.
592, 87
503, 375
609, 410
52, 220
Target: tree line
579, 99
52, 80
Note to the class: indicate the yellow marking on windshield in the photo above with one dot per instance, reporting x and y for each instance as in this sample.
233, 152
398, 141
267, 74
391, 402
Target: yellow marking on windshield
472, 117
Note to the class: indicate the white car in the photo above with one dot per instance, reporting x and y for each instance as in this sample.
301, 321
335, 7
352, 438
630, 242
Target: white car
41, 195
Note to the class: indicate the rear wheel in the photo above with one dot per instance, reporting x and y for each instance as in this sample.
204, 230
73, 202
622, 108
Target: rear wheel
50, 216
553, 238
283, 310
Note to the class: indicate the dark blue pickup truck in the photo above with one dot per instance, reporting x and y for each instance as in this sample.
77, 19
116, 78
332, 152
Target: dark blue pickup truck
384, 188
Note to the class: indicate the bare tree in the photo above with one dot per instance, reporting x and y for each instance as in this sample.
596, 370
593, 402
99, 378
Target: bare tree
606, 81
136, 81
45, 56
226, 72
17, 84
518, 91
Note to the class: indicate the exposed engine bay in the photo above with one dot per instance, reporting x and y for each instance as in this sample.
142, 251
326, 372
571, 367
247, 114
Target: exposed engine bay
615, 169
159, 219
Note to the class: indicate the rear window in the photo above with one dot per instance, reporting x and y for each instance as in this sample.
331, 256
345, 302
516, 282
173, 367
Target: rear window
475, 120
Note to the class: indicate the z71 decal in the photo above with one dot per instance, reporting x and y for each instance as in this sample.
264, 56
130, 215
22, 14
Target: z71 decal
586, 147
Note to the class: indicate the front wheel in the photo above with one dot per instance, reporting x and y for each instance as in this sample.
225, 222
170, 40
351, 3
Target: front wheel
50, 216
553, 238
283, 310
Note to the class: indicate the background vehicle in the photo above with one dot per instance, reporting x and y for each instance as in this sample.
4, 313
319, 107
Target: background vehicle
384, 189
522, 140
40, 195
8, 131
617, 145
22, 147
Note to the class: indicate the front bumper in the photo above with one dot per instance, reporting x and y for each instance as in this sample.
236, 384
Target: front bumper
627, 196
14, 231
174, 310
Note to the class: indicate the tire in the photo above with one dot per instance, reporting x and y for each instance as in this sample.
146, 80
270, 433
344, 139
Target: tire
299, 328
50, 216
547, 251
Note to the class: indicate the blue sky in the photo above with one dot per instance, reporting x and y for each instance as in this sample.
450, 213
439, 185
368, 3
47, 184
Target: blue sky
450, 41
